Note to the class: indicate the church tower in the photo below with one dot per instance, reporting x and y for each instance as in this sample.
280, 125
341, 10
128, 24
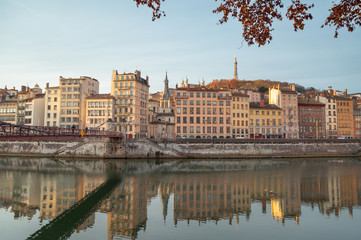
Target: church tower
235, 69
165, 101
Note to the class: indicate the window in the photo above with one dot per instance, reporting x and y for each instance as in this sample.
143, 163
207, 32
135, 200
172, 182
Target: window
184, 129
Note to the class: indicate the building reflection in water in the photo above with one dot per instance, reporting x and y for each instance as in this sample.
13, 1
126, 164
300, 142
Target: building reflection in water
201, 197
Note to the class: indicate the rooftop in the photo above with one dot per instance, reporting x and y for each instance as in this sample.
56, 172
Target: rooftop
309, 101
266, 106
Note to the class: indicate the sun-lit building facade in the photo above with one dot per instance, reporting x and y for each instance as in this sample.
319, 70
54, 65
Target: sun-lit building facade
100, 112
288, 101
330, 115
202, 112
131, 94
265, 120
240, 115
345, 117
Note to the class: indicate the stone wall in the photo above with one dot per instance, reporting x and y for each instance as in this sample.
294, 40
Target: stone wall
80, 148
143, 148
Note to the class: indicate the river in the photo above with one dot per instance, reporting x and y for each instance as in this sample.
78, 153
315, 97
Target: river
249, 199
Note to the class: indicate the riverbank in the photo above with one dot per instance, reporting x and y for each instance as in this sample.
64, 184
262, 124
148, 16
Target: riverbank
115, 148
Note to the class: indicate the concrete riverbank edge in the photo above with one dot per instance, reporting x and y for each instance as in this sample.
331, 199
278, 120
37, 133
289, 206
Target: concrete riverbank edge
113, 148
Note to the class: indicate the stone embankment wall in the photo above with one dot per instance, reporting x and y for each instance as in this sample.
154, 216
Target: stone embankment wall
240, 150
80, 148
143, 148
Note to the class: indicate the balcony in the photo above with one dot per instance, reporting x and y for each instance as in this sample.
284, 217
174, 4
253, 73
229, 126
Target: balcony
124, 88
124, 96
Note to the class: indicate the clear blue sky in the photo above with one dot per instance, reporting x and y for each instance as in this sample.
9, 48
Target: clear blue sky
41, 40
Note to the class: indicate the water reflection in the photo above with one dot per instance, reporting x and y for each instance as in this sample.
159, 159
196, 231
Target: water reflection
282, 190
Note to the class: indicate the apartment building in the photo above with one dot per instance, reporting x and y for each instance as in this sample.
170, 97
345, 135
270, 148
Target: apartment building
34, 110
21, 106
240, 115
8, 111
357, 118
100, 112
202, 112
74, 92
330, 114
311, 115
288, 101
65, 105
265, 120
52, 106
345, 117
131, 93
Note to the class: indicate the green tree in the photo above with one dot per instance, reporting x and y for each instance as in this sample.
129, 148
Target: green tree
257, 16
262, 89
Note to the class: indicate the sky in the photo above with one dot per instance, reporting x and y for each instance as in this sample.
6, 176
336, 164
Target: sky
41, 40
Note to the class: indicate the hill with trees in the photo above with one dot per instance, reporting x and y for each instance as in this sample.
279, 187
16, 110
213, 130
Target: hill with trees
260, 85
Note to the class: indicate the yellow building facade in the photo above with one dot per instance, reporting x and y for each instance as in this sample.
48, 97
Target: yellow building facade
265, 121
131, 102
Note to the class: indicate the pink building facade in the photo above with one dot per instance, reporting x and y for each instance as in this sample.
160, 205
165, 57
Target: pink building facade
202, 112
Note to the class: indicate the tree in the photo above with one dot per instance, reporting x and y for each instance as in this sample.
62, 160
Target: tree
257, 16
262, 89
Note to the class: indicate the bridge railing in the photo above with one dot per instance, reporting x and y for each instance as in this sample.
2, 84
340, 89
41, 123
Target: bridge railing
12, 130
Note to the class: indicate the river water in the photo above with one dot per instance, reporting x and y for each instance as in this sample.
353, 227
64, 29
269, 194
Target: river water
249, 199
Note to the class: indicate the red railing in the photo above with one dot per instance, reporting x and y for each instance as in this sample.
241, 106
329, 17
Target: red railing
12, 131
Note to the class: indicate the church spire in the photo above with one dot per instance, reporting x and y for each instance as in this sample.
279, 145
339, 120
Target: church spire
235, 69
166, 94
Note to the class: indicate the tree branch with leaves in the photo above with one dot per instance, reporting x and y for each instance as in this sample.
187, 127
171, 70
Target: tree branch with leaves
257, 16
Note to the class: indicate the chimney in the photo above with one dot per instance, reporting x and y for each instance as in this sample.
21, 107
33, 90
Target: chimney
345, 92
23, 88
261, 102
47, 85
293, 87
137, 73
